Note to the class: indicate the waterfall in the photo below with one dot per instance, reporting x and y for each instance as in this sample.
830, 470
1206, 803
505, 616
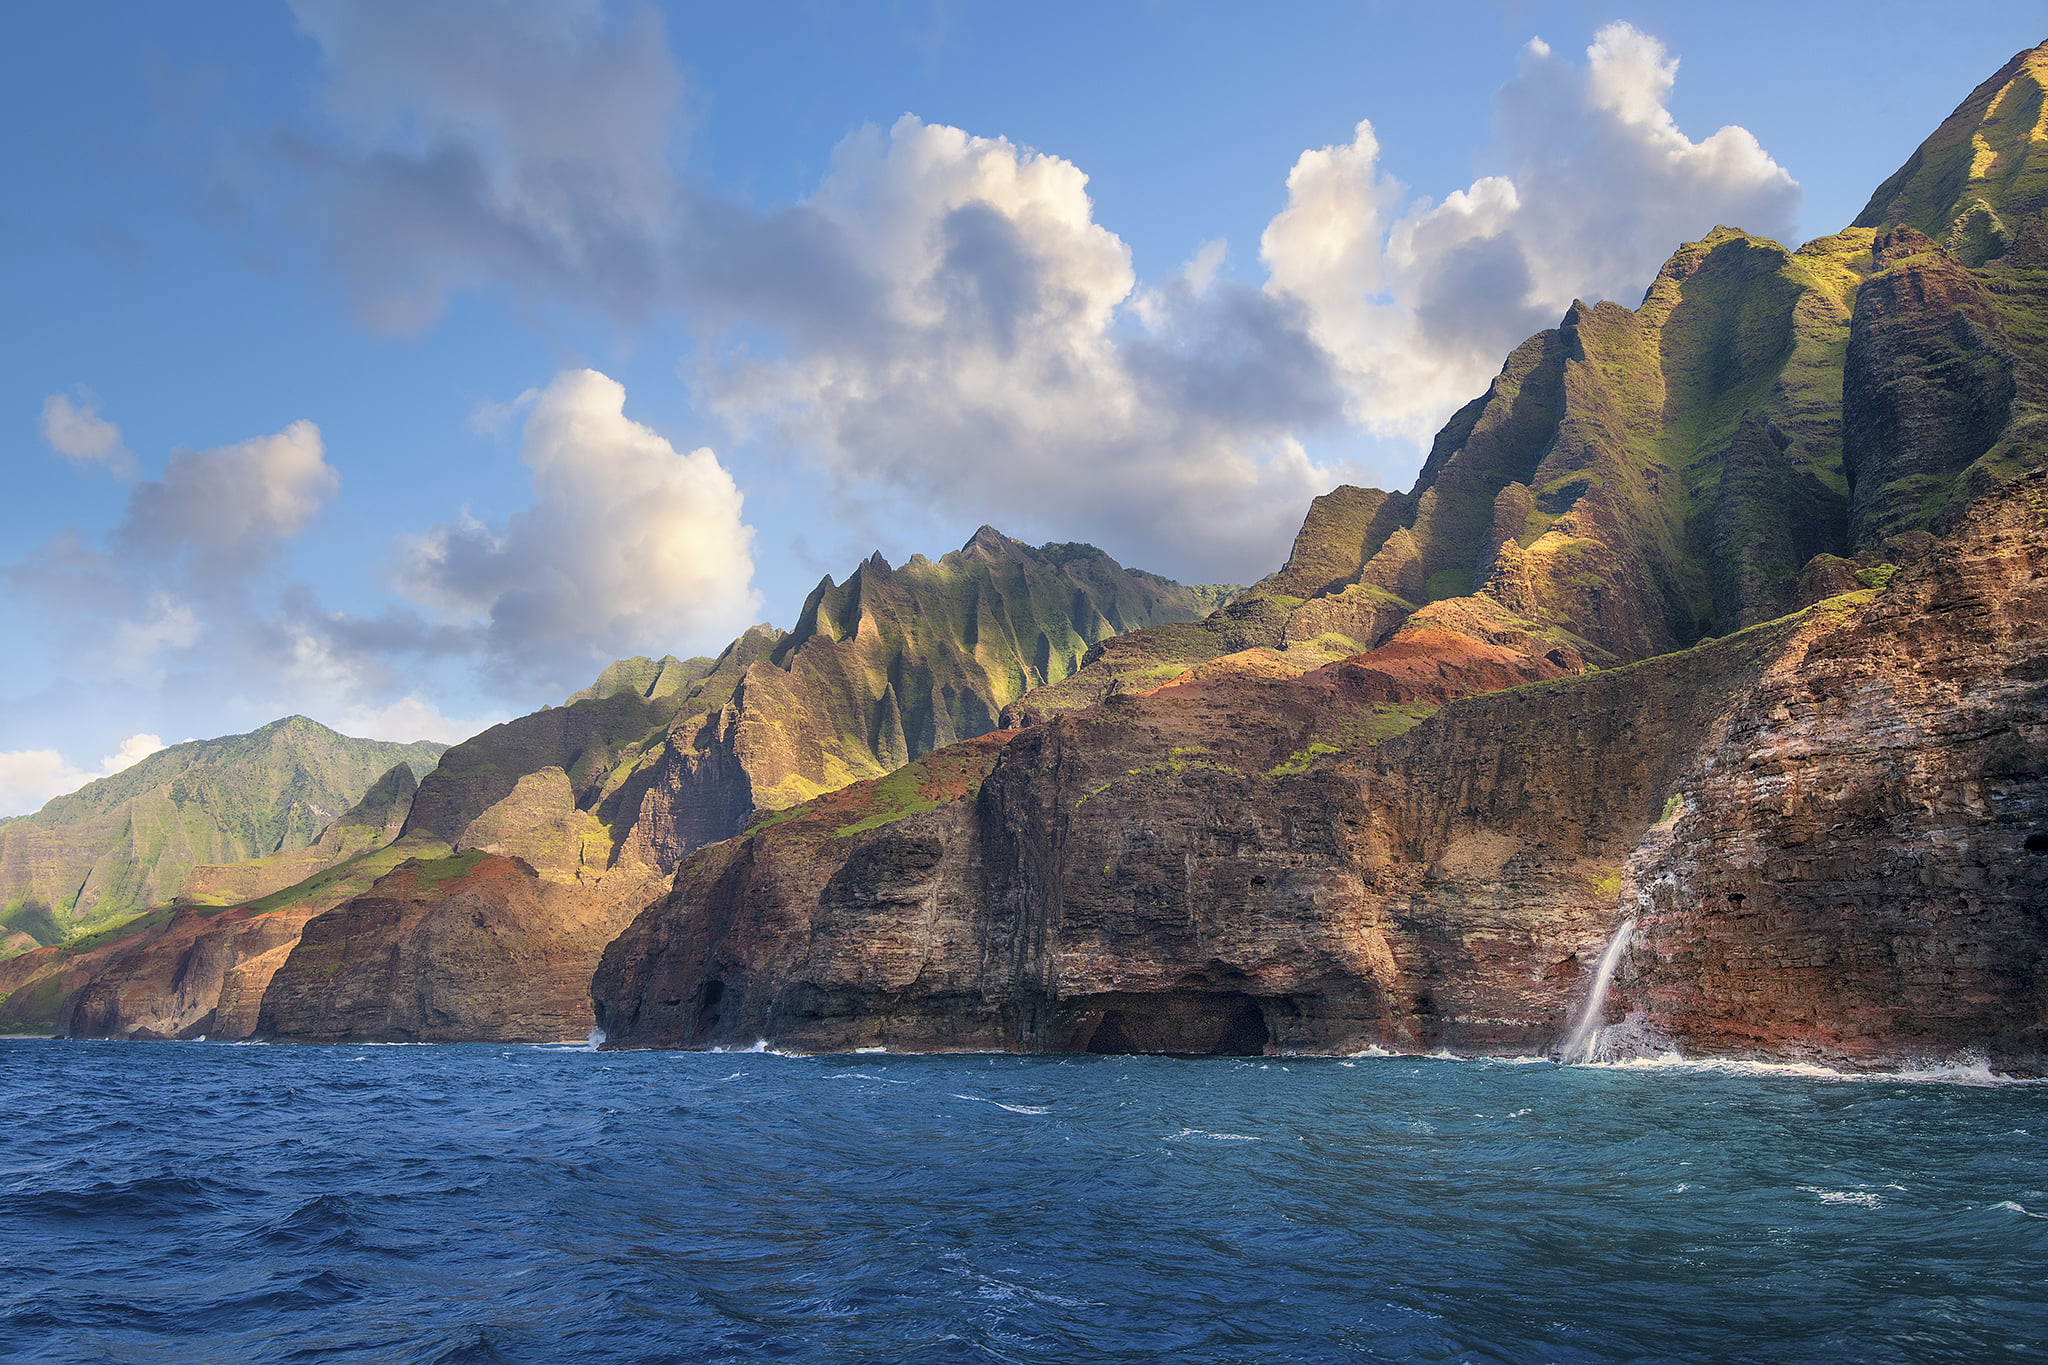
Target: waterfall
1579, 1046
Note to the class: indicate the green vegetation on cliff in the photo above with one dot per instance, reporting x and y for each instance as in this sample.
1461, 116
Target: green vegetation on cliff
127, 842
1973, 185
661, 756
1764, 426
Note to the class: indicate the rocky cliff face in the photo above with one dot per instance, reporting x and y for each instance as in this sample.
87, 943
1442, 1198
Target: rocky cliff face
1252, 864
1211, 837
599, 800
595, 801
1860, 869
127, 843
200, 967
1717, 618
473, 947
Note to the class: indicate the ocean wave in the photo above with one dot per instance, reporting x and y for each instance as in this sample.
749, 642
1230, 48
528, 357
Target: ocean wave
1962, 1071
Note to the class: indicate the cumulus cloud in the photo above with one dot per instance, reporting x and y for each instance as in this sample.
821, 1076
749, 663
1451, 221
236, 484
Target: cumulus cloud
78, 433
969, 348
1419, 301
226, 511
629, 546
31, 777
412, 717
944, 324
493, 139
173, 588
179, 565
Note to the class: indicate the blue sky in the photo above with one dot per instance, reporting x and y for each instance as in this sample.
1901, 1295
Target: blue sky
843, 285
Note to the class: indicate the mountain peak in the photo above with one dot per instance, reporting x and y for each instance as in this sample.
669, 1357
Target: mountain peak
990, 539
1980, 175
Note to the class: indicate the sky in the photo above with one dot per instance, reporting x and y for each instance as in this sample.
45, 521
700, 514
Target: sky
400, 365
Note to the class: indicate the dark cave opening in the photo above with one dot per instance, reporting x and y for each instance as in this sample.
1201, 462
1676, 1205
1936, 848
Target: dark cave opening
1182, 1023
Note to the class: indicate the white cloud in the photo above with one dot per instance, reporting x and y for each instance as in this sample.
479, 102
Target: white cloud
968, 349
1420, 302
228, 510
173, 589
484, 139
78, 433
491, 418
943, 324
630, 546
412, 718
133, 750
31, 777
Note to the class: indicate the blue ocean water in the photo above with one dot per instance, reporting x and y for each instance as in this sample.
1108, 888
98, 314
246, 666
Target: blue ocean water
207, 1203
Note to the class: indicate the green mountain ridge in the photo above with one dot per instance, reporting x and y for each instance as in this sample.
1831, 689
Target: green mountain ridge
669, 754
1765, 425
126, 842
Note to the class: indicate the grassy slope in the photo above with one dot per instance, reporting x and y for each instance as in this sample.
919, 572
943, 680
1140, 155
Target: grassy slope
126, 842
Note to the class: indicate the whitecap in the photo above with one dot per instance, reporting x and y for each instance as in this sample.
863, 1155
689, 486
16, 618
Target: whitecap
1963, 1071
1186, 1133
1013, 1108
1860, 1198
2020, 1209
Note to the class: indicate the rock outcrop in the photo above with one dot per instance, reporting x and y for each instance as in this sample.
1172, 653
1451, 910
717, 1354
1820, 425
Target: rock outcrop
198, 968
597, 801
472, 947
1719, 620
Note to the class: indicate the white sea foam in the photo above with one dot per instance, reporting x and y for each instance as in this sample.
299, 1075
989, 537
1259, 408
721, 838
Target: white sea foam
1187, 1133
1013, 1108
1860, 1198
2020, 1209
757, 1047
1963, 1071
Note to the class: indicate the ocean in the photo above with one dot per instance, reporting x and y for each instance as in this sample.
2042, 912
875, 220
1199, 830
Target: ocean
207, 1203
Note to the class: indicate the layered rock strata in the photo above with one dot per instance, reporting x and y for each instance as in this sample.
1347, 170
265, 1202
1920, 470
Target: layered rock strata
196, 969
473, 947
1860, 869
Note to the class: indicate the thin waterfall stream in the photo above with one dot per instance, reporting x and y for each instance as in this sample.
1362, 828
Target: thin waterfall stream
1579, 1046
